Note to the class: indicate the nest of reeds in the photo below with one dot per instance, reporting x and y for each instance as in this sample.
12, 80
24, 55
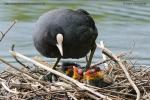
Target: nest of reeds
26, 82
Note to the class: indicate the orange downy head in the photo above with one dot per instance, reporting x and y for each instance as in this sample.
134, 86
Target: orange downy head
93, 74
77, 73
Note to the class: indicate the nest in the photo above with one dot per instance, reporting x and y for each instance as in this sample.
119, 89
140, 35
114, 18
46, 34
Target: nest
26, 82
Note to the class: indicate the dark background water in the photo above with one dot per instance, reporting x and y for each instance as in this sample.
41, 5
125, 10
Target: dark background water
122, 25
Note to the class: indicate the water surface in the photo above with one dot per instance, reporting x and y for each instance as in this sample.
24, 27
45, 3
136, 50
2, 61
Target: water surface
122, 25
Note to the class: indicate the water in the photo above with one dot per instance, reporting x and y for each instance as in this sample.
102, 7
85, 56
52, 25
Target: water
122, 24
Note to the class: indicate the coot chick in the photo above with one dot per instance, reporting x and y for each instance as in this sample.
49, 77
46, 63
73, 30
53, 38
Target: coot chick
65, 33
73, 70
97, 77
67, 68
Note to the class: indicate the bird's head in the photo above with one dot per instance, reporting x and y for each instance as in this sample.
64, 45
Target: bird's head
71, 69
77, 73
94, 73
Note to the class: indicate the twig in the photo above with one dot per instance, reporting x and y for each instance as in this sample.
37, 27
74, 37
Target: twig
126, 79
112, 91
117, 60
72, 96
33, 76
82, 86
104, 56
9, 90
12, 48
104, 61
3, 34
31, 79
92, 96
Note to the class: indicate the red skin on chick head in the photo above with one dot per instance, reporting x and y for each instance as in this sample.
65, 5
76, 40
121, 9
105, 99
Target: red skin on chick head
94, 73
77, 73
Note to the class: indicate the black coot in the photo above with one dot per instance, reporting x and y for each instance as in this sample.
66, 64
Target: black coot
65, 33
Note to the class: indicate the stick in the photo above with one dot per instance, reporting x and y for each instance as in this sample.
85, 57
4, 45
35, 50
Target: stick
92, 96
117, 60
9, 90
82, 86
31, 79
33, 76
104, 61
3, 34
104, 56
72, 96
17, 60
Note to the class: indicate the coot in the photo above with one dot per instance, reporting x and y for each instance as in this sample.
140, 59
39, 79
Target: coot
65, 33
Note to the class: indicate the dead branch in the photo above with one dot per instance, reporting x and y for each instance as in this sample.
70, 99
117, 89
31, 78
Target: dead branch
3, 34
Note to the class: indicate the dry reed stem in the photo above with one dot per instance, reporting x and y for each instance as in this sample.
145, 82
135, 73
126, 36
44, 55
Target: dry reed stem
116, 59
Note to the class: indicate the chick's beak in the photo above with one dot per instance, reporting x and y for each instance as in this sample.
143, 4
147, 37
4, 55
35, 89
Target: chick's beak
59, 39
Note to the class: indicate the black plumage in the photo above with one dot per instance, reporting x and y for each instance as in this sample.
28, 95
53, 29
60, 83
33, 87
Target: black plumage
77, 28
65, 65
